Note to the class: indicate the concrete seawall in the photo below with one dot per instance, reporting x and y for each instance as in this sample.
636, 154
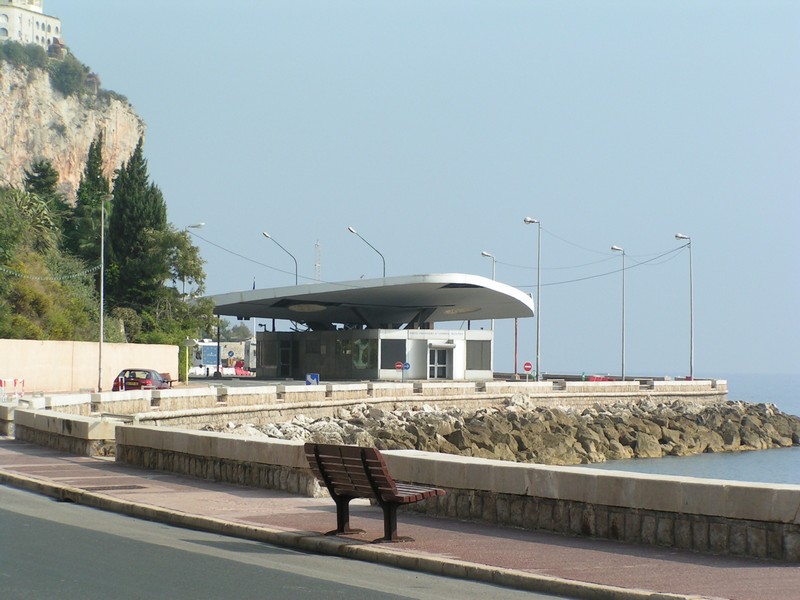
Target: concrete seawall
742, 519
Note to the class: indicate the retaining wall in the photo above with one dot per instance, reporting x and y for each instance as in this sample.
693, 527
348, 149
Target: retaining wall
725, 517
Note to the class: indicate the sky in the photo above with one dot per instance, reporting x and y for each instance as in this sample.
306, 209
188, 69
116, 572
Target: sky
434, 127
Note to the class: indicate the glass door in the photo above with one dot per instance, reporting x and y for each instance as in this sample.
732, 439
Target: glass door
437, 364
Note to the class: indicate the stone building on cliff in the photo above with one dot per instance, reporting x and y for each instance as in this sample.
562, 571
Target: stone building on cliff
24, 21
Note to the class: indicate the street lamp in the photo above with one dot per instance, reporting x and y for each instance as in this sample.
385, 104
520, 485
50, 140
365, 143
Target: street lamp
351, 230
538, 307
103, 199
269, 237
680, 236
494, 278
186, 230
618, 249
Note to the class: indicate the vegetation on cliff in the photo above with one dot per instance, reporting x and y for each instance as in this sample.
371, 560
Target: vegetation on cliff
50, 244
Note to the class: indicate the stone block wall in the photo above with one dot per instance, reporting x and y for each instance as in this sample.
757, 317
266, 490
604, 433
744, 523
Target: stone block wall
7, 418
700, 533
272, 464
76, 434
740, 519
721, 517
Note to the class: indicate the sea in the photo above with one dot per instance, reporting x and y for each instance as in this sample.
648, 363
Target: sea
778, 466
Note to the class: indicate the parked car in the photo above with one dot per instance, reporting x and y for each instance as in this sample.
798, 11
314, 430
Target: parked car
141, 379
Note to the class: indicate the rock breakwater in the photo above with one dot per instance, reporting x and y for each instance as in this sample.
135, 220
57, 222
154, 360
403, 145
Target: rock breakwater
523, 432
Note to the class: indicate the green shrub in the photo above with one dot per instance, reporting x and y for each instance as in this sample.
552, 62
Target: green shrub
25, 55
68, 76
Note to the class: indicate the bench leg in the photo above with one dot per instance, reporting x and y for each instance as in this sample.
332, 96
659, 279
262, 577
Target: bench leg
343, 517
390, 525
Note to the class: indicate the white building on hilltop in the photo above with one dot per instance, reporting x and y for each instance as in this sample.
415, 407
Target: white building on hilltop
24, 21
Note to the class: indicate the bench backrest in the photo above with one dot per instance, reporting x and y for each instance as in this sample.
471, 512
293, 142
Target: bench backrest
351, 470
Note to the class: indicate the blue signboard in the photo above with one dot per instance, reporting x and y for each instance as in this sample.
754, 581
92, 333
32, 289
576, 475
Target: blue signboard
210, 355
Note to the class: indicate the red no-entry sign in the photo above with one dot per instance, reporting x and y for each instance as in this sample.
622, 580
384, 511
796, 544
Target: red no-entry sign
398, 365
528, 367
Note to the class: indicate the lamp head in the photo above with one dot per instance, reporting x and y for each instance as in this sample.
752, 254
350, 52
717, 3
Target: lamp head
266, 235
680, 236
617, 249
530, 221
351, 230
487, 255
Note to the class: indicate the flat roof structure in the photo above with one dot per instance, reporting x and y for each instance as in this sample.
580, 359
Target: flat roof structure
387, 303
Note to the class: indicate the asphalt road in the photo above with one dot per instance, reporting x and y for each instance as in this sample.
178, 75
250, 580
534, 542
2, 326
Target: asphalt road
55, 550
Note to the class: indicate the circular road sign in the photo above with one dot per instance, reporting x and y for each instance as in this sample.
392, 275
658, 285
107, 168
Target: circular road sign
398, 365
528, 367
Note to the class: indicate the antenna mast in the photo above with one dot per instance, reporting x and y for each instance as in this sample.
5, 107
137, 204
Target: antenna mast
317, 262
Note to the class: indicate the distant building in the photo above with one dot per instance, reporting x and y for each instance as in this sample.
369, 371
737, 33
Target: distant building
24, 21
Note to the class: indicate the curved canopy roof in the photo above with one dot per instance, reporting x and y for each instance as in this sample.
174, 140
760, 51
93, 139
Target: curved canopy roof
391, 302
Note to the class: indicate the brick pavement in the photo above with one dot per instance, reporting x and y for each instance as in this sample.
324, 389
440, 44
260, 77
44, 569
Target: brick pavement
577, 567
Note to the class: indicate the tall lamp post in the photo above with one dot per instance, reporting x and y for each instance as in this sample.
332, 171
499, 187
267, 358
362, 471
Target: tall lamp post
103, 200
618, 249
538, 307
688, 239
269, 237
186, 230
494, 278
351, 230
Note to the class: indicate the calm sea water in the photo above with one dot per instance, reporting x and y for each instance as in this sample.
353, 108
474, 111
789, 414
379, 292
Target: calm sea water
781, 465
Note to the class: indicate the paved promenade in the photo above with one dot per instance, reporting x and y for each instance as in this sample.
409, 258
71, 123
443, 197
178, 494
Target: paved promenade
575, 567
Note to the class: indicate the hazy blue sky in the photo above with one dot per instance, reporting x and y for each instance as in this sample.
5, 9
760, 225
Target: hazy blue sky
434, 127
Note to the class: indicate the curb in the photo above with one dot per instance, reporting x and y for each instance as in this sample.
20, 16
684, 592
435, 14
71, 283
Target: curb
332, 546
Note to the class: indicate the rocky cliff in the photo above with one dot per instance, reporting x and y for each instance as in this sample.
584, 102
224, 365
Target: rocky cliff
36, 121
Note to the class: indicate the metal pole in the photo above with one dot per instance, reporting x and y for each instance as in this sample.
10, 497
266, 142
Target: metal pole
618, 249
538, 296
691, 315
218, 371
516, 358
491, 326
537, 308
680, 236
102, 292
623, 315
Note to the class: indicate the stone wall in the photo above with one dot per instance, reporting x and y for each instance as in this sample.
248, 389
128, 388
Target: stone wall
742, 519
268, 464
84, 436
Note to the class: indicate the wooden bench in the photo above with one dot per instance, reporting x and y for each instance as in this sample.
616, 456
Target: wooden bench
355, 472
168, 378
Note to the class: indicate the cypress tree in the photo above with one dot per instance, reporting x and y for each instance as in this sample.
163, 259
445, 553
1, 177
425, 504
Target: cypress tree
137, 265
82, 229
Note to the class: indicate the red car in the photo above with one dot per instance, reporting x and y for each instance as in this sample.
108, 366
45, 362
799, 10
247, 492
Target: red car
140, 379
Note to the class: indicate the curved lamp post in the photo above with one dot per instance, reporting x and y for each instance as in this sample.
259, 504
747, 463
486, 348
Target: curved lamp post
680, 236
494, 278
351, 230
618, 249
538, 307
269, 237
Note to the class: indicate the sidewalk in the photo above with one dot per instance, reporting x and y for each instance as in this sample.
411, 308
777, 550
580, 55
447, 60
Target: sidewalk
575, 567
